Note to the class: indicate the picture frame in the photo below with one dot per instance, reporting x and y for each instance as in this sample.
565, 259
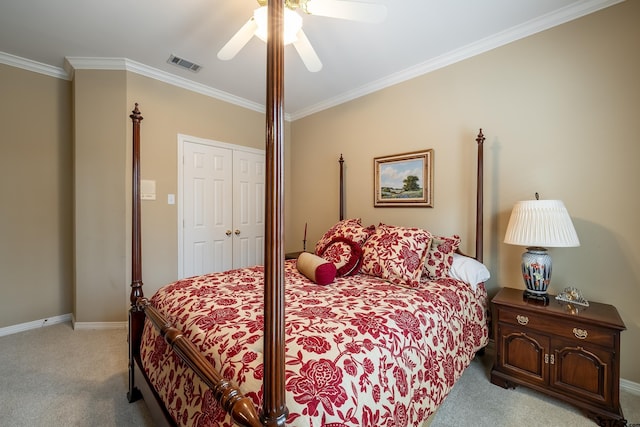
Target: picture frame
404, 180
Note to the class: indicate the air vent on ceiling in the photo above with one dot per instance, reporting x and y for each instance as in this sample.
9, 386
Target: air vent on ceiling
180, 62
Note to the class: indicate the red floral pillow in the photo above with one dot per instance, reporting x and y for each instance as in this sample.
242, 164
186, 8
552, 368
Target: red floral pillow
342, 243
345, 254
396, 254
440, 256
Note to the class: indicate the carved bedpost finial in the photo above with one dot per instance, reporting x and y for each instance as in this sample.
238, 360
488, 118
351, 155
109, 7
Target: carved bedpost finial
479, 139
135, 114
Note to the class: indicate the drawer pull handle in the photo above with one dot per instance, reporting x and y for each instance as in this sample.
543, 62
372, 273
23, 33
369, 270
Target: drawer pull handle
523, 320
580, 333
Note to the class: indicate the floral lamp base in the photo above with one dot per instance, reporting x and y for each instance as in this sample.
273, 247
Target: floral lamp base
536, 273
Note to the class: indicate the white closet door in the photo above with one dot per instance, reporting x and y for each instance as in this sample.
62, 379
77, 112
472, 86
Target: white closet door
207, 197
248, 208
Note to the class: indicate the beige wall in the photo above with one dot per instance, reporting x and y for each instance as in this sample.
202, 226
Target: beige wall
100, 135
103, 223
66, 187
36, 259
559, 110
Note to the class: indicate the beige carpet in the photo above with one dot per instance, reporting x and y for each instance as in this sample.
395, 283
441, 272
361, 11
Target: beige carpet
474, 401
57, 377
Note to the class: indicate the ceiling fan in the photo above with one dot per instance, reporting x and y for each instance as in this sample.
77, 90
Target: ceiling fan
293, 34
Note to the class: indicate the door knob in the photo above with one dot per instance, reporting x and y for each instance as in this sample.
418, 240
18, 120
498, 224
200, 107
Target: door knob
237, 232
228, 233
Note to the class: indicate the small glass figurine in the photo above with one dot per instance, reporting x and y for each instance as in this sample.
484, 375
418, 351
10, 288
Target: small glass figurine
573, 298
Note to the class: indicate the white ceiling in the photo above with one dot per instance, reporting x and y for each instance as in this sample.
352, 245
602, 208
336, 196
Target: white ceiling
417, 36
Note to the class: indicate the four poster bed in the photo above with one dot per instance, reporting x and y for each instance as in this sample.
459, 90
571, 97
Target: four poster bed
373, 345
381, 342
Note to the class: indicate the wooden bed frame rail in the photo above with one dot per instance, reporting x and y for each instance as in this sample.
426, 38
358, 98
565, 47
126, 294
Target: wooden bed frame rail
241, 409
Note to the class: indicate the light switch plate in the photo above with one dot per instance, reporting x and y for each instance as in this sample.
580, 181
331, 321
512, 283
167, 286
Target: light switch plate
147, 189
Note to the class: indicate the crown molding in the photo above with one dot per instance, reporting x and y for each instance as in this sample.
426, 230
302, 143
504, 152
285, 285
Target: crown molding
88, 63
545, 22
29, 65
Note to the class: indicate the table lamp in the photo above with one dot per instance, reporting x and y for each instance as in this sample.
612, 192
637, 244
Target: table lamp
538, 224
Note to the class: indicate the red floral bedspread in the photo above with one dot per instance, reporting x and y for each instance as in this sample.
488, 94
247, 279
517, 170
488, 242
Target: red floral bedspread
359, 352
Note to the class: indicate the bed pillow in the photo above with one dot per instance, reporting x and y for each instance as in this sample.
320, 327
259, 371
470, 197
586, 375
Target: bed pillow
396, 254
316, 269
440, 256
469, 270
345, 254
342, 243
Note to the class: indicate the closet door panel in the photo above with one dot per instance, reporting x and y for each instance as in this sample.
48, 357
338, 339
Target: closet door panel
207, 195
248, 208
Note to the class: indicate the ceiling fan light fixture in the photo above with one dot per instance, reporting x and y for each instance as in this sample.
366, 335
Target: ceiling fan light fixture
292, 24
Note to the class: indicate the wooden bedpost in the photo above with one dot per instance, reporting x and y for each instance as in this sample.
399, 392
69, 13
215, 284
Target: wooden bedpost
479, 198
136, 237
274, 409
341, 161
136, 316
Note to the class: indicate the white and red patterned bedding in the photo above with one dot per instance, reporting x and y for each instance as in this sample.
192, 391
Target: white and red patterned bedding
359, 352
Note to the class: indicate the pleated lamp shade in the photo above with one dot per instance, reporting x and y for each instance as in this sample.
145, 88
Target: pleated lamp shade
538, 224
544, 223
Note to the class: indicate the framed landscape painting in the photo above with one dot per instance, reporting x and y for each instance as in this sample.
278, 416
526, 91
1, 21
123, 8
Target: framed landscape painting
404, 179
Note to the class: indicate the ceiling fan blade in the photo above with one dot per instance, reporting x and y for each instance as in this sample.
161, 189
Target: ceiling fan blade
307, 53
239, 39
351, 10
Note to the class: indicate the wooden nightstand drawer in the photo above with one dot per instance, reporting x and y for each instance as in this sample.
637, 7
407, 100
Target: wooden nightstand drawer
571, 330
521, 317
584, 333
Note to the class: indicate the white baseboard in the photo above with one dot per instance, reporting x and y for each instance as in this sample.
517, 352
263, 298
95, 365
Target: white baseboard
35, 324
84, 326
630, 386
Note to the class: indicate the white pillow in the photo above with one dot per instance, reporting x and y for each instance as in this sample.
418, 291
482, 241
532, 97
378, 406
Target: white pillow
468, 270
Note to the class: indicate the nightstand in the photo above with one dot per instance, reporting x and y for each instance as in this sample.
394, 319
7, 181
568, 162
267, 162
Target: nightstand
292, 255
572, 357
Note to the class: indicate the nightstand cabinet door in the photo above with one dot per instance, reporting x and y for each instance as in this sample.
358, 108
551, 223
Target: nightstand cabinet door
523, 354
583, 372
